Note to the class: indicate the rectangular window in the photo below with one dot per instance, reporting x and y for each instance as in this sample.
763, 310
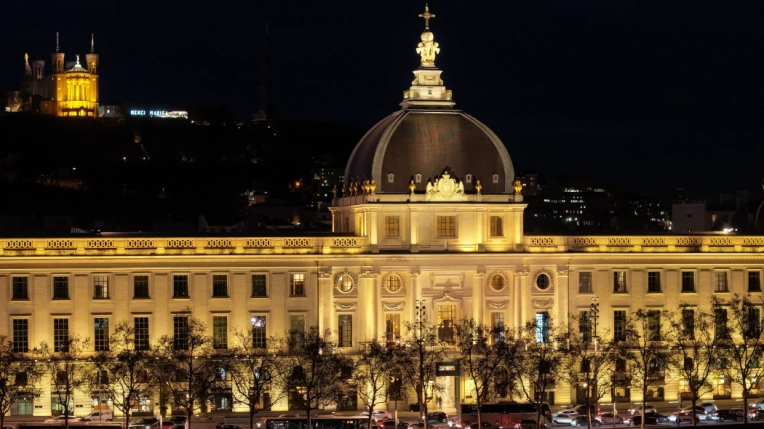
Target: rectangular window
753, 323
619, 281
220, 286
688, 323
259, 289
220, 332
619, 325
497, 228
101, 287
259, 332
754, 281
446, 320
585, 325
345, 324
497, 326
688, 281
721, 282
542, 327
653, 281
140, 286
297, 326
180, 332
392, 226
141, 333
585, 282
101, 334
446, 226
20, 335
60, 335
180, 286
653, 325
297, 284
392, 328
721, 327
20, 288
60, 287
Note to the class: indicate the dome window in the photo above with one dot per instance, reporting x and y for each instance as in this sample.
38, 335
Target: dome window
390, 178
495, 178
468, 178
418, 178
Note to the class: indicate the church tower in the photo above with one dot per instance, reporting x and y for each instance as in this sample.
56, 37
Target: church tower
57, 82
92, 60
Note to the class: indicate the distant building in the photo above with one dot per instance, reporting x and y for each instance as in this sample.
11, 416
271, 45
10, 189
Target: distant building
110, 111
64, 91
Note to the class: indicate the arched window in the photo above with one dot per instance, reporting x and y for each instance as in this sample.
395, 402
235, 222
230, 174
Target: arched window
497, 282
393, 283
345, 283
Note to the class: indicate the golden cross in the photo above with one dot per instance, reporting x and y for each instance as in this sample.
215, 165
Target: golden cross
427, 16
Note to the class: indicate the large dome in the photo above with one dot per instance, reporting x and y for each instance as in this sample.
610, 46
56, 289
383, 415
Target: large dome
425, 141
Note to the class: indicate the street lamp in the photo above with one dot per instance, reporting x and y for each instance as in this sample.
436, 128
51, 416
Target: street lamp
421, 316
595, 309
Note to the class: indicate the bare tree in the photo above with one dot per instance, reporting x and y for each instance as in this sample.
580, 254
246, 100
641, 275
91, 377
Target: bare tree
742, 352
184, 364
698, 336
18, 376
123, 370
539, 361
645, 353
371, 375
67, 364
485, 351
315, 378
257, 372
415, 357
588, 361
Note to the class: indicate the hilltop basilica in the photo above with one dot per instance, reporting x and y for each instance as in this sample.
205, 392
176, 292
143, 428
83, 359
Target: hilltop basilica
431, 215
68, 89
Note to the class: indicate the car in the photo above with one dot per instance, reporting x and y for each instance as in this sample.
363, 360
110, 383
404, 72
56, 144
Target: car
637, 420
699, 414
638, 409
378, 415
60, 419
609, 418
734, 415
437, 417
759, 403
144, 423
96, 416
581, 421
570, 411
562, 419
709, 407
756, 414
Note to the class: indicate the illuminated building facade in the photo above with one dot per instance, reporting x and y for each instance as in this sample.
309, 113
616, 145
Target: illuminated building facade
429, 211
65, 91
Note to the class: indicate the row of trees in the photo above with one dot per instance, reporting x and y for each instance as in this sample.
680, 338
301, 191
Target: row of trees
184, 370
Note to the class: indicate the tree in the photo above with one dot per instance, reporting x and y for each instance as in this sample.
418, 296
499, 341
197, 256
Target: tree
371, 375
415, 356
123, 370
644, 352
18, 377
698, 335
742, 352
539, 361
185, 364
588, 361
257, 370
485, 351
66, 363
314, 380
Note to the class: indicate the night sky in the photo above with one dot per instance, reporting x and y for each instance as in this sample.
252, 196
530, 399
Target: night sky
646, 94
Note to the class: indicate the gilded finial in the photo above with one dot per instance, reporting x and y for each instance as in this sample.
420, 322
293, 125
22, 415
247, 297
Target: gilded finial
366, 187
334, 191
428, 47
427, 16
26, 58
373, 186
412, 186
518, 187
478, 186
344, 191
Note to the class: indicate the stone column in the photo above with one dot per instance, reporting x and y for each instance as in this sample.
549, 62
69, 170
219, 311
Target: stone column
367, 292
325, 304
562, 294
478, 292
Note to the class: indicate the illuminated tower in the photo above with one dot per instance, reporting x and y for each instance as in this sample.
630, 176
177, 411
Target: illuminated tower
92, 60
57, 84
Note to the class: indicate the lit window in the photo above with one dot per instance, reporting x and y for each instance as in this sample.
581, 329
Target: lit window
392, 226
101, 334
393, 283
297, 285
497, 228
345, 324
101, 287
446, 226
345, 283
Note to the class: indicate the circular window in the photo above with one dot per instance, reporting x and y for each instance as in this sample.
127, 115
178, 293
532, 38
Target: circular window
393, 283
497, 282
345, 283
542, 281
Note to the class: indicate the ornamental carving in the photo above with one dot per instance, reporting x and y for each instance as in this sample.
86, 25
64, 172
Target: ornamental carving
497, 305
19, 244
344, 306
447, 298
445, 188
542, 304
393, 306
259, 242
446, 280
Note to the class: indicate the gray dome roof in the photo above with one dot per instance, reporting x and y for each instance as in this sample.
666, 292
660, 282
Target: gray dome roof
424, 141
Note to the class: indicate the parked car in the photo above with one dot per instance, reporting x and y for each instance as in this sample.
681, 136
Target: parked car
699, 414
437, 417
650, 419
96, 416
709, 407
609, 418
734, 415
60, 419
563, 419
638, 409
756, 414
759, 403
378, 415
144, 423
581, 421
570, 411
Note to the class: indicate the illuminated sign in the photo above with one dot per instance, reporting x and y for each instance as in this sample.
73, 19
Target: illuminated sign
160, 113
446, 368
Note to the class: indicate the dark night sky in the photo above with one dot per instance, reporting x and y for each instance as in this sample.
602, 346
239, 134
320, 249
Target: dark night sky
648, 94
